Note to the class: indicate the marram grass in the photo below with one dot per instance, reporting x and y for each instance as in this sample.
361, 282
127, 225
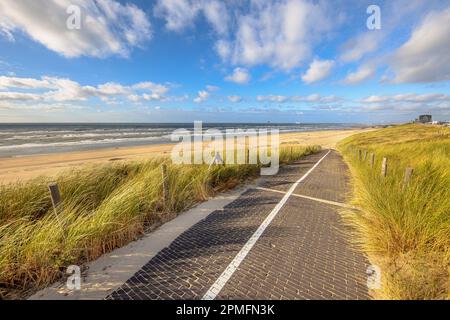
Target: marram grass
404, 229
104, 207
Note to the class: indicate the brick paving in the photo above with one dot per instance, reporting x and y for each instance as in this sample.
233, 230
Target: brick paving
303, 253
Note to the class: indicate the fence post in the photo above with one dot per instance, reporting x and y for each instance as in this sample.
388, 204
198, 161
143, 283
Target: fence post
165, 187
247, 155
56, 197
384, 167
372, 159
408, 173
56, 202
359, 154
365, 155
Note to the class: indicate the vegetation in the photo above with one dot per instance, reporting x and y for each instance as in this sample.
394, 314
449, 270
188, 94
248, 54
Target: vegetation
404, 228
103, 208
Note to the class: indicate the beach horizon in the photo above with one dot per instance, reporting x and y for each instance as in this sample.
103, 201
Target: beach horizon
27, 167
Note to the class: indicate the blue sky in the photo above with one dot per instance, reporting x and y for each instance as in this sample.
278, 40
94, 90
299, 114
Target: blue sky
223, 61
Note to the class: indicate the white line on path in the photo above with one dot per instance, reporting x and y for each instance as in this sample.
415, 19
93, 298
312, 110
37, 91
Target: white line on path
333, 203
232, 267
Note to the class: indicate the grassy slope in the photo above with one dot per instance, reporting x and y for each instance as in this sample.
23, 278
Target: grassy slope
104, 208
404, 230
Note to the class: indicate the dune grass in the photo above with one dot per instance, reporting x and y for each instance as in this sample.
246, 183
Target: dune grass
104, 207
404, 229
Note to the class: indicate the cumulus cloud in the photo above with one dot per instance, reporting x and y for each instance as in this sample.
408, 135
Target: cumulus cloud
363, 73
425, 56
181, 14
278, 33
153, 87
27, 83
18, 96
108, 27
235, 99
312, 98
62, 89
272, 98
202, 96
239, 75
408, 97
355, 48
318, 70
212, 88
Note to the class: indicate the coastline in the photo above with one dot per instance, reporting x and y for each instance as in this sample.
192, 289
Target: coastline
13, 169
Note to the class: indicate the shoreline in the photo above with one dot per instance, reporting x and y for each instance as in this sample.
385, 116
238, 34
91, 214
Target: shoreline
22, 168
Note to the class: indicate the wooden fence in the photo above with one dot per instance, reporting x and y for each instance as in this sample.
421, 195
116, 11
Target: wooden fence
364, 155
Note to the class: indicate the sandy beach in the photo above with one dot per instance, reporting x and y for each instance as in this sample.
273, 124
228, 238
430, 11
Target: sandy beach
29, 167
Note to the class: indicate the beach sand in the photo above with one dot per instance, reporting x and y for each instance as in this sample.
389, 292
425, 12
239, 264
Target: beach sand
29, 167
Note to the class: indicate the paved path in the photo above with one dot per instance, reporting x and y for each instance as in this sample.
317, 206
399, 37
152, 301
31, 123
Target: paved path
264, 245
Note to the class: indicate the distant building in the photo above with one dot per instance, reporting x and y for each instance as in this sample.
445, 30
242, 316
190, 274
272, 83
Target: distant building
425, 118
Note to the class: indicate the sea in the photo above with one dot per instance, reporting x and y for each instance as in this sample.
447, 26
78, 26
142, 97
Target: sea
17, 140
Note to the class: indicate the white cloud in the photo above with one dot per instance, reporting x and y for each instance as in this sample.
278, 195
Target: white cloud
61, 89
375, 99
27, 83
212, 88
312, 98
108, 27
153, 87
235, 99
356, 48
151, 97
202, 96
409, 97
133, 98
425, 56
422, 97
18, 96
278, 33
363, 73
318, 70
180, 14
216, 13
272, 98
239, 75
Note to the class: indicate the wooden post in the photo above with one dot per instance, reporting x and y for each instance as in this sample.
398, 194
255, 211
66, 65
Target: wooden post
56, 202
384, 167
408, 173
365, 155
56, 197
165, 187
291, 153
372, 160
359, 154
247, 155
